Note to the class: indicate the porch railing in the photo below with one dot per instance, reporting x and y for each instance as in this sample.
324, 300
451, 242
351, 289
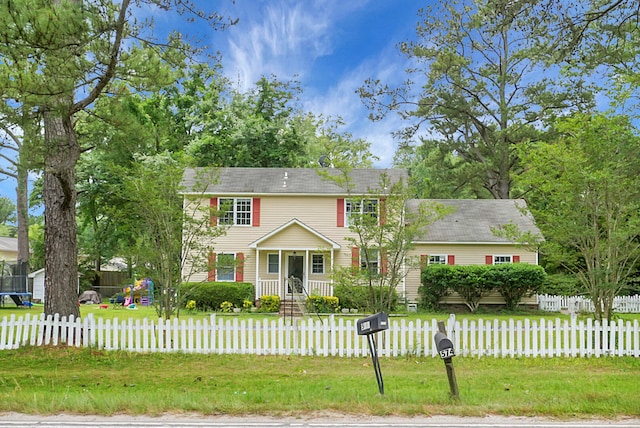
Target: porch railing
267, 287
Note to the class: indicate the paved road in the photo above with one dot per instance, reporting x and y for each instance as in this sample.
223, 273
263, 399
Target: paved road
28, 421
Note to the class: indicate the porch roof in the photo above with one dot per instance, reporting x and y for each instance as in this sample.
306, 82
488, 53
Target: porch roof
294, 221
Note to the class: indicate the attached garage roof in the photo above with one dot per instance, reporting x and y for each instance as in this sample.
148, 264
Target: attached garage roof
474, 219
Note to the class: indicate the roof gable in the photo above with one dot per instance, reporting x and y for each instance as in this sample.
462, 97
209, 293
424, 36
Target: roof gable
473, 220
263, 181
292, 223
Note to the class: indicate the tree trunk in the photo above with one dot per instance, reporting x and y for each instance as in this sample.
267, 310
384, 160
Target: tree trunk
59, 195
22, 207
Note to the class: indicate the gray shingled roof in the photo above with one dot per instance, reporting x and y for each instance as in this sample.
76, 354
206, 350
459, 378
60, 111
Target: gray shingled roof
474, 219
281, 181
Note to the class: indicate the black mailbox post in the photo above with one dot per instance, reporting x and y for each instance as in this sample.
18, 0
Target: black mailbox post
444, 346
367, 327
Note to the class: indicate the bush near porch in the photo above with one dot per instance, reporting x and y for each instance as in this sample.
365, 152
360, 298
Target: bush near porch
473, 282
210, 295
359, 296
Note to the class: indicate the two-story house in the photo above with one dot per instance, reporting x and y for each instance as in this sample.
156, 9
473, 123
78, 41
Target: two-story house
289, 223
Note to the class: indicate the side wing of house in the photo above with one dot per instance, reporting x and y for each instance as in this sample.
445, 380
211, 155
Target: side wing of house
468, 236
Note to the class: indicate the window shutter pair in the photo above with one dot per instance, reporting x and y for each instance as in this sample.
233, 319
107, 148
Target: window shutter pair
355, 259
255, 211
489, 259
211, 275
424, 260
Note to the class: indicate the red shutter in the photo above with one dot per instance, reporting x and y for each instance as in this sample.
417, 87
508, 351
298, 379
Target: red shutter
340, 214
451, 259
383, 211
516, 259
211, 276
255, 215
240, 267
488, 260
213, 205
424, 260
355, 257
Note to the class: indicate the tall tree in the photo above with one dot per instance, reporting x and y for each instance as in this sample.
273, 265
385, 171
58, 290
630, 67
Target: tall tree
61, 56
484, 89
585, 192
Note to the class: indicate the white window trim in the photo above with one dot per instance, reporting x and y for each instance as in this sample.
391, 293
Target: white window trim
323, 264
235, 212
361, 202
444, 257
510, 257
363, 260
234, 267
269, 264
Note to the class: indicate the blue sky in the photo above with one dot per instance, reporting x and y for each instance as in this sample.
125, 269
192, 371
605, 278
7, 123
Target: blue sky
330, 46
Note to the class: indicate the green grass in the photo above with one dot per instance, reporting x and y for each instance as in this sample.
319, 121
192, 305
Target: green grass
89, 381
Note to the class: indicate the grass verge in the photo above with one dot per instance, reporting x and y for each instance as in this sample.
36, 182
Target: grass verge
89, 381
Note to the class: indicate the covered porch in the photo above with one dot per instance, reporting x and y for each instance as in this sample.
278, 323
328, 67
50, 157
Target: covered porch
294, 261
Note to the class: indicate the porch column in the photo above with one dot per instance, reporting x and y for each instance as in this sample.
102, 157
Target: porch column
281, 290
258, 287
307, 270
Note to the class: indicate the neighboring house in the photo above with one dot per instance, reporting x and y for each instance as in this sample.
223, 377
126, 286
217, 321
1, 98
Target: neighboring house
290, 222
8, 249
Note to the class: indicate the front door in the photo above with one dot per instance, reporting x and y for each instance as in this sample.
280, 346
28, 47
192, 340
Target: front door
295, 274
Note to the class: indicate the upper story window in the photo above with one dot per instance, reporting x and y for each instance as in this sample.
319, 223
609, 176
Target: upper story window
236, 211
499, 260
360, 207
437, 259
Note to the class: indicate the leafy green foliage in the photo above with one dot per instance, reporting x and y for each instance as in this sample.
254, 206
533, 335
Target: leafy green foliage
360, 297
209, 296
436, 281
585, 196
269, 303
473, 282
322, 304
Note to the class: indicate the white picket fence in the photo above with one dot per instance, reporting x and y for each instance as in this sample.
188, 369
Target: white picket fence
331, 336
577, 304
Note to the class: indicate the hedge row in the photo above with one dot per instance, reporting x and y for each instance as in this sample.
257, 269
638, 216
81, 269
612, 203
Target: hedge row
209, 295
473, 282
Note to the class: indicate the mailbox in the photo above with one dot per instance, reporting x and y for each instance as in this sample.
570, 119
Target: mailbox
444, 345
373, 324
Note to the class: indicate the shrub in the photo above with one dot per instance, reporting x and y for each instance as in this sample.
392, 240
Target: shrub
322, 304
269, 303
363, 297
226, 307
473, 282
436, 280
515, 281
210, 295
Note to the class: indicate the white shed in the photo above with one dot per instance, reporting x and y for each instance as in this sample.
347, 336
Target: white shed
37, 279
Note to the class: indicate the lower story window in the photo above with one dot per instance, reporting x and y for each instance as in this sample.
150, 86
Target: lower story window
370, 260
226, 267
317, 263
437, 259
273, 263
499, 260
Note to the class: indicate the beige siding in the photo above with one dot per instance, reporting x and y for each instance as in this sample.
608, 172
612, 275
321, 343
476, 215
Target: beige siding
320, 214
465, 254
